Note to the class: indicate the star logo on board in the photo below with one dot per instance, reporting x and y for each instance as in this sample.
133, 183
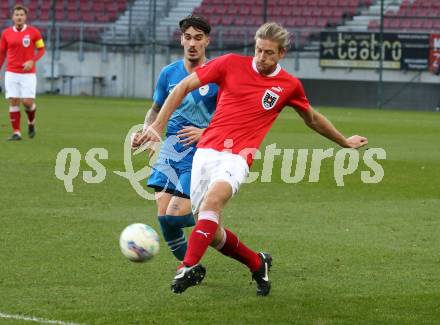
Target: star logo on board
328, 46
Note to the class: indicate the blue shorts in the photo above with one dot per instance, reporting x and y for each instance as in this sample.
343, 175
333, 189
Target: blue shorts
172, 171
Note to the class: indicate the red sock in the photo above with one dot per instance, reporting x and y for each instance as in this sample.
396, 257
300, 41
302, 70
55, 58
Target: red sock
237, 250
31, 114
201, 237
14, 116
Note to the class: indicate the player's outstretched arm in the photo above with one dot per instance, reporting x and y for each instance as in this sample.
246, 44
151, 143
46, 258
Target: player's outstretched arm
150, 117
318, 122
171, 103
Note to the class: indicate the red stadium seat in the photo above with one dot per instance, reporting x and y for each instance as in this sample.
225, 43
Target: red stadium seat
322, 22
102, 18
416, 23
373, 24
73, 16
257, 10
85, 6
311, 22
87, 17
405, 24
240, 21
220, 10
316, 12
45, 5
4, 15
327, 12
428, 24
72, 6
44, 15
4, 6
232, 10
215, 20
310, 14
300, 22
98, 7
59, 15
33, 6
122, 4
227, 20
307, 11
245, 10
393, 23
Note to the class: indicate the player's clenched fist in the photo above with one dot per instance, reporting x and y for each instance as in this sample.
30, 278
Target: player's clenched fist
148, 139
357, 141
135, 140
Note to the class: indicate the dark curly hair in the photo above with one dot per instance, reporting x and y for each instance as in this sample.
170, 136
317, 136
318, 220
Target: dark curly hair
196, 22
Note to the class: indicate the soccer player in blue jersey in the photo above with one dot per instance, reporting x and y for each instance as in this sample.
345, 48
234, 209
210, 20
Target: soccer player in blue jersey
171, 174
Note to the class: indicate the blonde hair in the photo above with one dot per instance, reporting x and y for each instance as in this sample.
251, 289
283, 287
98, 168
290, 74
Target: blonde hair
274, 32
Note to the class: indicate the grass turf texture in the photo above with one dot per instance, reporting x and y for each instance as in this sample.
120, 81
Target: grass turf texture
357, 254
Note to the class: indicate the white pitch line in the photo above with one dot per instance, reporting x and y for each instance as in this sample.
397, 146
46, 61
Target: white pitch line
36, 319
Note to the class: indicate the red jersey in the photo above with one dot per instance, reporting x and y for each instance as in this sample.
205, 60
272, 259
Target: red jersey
248, 103
20, 47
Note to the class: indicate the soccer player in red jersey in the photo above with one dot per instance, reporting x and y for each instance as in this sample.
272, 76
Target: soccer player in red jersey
253, 91
23, 46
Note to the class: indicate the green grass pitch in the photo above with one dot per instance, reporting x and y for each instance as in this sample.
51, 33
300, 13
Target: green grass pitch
359, 254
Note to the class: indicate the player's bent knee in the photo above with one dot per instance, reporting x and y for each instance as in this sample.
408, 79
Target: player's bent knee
14, 101
162, 202
179, 206
213, 202
28, 103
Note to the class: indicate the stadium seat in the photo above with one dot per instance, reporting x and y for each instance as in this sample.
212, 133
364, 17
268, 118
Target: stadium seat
98, 7
45, 5
85, 6
227, 20
70, 11
59, 15
44, 14
309, 14
405, 24
427, 24
33, 6
414, 15
87, 17
4, 6
72, 6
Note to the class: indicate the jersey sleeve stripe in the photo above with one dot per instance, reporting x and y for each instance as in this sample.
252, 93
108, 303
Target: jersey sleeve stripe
39, 44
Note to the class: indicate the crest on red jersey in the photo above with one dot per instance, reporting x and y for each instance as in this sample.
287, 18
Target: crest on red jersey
26, 41
269, 99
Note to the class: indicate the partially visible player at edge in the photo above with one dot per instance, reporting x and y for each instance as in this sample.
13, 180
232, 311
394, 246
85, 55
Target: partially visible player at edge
18, 43
171, 174
253, 91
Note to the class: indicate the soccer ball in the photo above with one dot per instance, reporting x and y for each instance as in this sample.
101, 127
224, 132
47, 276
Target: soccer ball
139, 242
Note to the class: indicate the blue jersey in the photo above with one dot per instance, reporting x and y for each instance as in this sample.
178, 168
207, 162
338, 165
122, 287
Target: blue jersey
196, 108
172, 170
